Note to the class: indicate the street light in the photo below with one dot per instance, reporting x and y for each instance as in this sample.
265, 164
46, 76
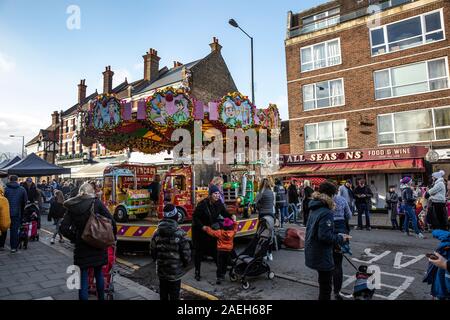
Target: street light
23, 144
233, 23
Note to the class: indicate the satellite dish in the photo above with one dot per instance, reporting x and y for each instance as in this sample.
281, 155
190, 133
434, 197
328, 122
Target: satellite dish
432, 156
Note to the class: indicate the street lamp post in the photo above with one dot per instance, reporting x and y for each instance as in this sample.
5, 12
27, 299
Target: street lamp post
23, 143
233, 23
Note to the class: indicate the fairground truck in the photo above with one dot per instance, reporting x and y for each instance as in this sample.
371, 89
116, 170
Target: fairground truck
124, 191
178, 188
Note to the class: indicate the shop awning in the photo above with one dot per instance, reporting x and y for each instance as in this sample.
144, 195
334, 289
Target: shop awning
357, 167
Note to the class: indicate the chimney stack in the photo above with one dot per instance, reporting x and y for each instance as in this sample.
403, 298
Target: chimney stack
107, 80
177, 64
55, 118
215, 46
151, 65
81, 91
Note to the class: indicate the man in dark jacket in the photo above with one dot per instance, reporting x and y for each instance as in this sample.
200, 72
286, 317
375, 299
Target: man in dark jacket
171, 249
281, 201
363, 202
207, 213
17, 198
320, 238
32, 192
293, 198
84, 255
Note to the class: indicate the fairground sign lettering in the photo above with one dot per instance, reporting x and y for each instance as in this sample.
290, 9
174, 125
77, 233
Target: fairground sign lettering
355, 155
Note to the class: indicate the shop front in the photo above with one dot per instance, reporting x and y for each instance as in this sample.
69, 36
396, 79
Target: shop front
380, 167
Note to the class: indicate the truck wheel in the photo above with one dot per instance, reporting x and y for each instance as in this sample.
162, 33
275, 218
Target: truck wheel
121, 215
181, 215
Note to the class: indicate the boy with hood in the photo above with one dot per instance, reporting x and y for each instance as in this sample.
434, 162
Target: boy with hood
171, 249
437, 194
225, 238
409, 202
17, 198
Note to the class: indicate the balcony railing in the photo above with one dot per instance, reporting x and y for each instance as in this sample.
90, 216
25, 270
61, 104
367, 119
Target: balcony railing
347, 17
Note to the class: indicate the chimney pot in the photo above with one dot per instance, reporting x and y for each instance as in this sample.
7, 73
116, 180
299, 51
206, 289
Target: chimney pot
81, 91
151, 65
215, 46
107, 80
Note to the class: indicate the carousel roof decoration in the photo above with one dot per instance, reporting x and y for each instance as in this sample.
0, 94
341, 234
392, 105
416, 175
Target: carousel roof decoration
149, 125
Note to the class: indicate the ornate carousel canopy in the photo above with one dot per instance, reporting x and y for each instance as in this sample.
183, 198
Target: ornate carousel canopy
148, 126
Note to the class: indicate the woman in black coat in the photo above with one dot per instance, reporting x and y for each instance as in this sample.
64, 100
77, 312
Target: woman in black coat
86, 256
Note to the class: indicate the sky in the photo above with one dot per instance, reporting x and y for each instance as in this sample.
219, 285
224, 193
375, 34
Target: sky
43, 53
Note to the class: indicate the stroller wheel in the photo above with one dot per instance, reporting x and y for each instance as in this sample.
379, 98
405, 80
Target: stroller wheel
271, 275
245, 285
233, 276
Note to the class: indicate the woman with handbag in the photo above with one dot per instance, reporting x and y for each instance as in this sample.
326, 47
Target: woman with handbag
81, 210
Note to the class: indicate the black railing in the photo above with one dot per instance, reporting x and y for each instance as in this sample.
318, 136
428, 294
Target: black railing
373, 9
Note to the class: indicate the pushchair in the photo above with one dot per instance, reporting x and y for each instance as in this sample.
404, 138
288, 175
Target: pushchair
251, 263
361, 290
109, 271
30, 221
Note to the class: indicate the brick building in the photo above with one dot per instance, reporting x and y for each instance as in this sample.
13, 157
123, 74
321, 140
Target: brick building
371, 83
206, 79
45, 144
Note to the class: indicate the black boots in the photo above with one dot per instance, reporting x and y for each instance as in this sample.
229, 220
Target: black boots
197, 275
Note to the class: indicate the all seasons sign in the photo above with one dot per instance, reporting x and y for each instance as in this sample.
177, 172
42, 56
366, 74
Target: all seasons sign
355, 155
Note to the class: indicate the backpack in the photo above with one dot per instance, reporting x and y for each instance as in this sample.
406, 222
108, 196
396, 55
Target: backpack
98, 231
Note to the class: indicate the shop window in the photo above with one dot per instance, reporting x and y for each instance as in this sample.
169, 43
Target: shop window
407, 33
414, 126
411, 79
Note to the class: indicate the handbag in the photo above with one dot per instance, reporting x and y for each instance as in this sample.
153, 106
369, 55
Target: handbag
67, 228
98, 231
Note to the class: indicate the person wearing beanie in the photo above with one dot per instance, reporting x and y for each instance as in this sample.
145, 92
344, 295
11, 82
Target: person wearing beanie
171, 250
438, 212
409, 203
207, 213
225, 238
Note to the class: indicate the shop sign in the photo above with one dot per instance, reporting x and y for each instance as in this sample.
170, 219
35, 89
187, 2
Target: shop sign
355, 155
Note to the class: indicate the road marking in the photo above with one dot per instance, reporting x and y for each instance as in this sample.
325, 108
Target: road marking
128, 264
375, 257
400, 255
198, 292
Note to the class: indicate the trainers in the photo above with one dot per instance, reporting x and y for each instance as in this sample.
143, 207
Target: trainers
337, 296
369, 228
420, 235
52, 241
270, 257
13, 250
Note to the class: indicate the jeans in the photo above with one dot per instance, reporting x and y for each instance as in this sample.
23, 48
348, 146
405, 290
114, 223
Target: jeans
294, 208
222, 262
325, 284
363, 208
410, 214
283, 214
83, 293
14, 235
58, 224
169, 290
337, 272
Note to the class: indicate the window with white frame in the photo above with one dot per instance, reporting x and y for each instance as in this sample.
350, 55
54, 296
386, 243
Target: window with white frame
326, 135
410, 79
321, 20
423, 125
323, 94
407, 33
321, 55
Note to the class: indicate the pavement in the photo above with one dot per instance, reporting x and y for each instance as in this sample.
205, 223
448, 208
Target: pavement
377, 220
39, 273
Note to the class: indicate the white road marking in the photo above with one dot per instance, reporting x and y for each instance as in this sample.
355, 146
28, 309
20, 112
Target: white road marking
375, 257
400, 255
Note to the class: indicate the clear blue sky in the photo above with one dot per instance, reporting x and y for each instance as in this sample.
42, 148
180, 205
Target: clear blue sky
42, 61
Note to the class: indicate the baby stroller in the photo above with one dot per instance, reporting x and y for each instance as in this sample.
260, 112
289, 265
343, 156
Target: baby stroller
108, 275
30, 221
361, 290
251, 263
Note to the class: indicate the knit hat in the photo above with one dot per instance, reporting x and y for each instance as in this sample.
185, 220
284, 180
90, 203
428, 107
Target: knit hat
439, 174
227, 222
170, 211
213, 189
406, 180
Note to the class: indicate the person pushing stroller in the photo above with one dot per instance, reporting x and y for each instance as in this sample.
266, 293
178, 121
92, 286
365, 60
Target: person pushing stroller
225, 239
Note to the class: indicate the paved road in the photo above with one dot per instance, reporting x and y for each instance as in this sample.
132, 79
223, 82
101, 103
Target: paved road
400, 259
